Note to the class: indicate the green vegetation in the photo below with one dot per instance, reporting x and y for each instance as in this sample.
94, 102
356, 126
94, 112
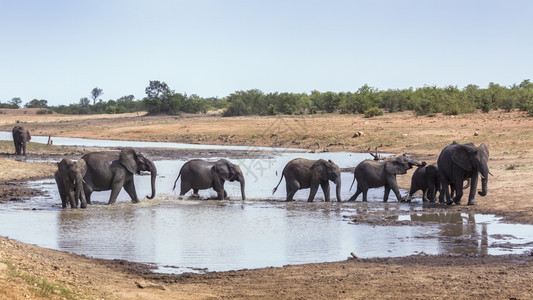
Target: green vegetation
41, 286
427, 100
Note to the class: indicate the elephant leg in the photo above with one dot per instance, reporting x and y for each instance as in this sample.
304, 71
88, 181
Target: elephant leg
386, 194
312, 193
473, 185
458, 187
129, 186
291, 190
396, 190
425, 195
24, 149
225, 194
357, 193
88, 190
445, 191
185, 187
365, 193
195, 191
325, 189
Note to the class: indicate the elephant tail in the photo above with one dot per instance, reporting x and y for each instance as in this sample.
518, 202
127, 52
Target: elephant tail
274, 190
467, 184
174, 187
352, 182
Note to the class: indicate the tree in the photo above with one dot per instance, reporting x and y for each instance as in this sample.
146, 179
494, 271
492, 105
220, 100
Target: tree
95, 94
16, 101
84, 102
159, 98
37, 103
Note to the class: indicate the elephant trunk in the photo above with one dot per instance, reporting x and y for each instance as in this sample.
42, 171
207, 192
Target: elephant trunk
153, 176
79, 193
241, 180
338, 190
484, 179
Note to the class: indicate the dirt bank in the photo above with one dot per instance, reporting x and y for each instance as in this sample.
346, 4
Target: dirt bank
29, 270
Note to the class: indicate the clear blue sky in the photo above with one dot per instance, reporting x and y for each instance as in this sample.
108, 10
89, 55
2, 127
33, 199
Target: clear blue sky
61, 50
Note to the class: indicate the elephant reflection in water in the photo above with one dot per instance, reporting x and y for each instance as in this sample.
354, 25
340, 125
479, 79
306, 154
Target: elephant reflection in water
132, 234
459, 235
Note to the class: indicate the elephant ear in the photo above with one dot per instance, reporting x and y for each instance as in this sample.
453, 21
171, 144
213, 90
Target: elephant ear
395, 167
28, 136
217, 178
462, 156
128, 158
320, 169
485, 151
224, 169
62, 166
82, 166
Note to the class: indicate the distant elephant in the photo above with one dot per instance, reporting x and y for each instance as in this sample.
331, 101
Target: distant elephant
199, 174
427, 179
374, 174
20, 137
301, 173
458, 162
112, 171
69, 179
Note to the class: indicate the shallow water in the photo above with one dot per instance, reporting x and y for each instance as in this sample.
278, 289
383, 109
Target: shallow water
81, 142
197, 235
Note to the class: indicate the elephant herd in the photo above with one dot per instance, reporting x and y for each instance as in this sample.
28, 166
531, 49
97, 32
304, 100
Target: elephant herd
100, 171
103, 171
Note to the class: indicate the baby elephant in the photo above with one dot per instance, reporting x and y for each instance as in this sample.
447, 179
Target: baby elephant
20, 137
69, 179
427, 179
301, 173
199, 174
373, 174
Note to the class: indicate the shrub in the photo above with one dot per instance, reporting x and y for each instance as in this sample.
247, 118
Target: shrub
372, 112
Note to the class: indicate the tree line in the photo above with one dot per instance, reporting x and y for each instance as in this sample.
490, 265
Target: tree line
427, 100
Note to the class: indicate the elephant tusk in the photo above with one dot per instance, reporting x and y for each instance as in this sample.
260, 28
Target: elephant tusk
490, 174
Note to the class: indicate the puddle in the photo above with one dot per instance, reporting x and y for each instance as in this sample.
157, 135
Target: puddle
199, 235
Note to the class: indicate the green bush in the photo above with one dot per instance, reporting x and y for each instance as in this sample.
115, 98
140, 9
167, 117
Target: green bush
372, 112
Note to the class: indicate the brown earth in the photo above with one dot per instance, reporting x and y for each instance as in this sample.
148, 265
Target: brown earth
31, 271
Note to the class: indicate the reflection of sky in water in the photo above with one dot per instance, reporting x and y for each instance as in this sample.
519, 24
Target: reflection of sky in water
182, 235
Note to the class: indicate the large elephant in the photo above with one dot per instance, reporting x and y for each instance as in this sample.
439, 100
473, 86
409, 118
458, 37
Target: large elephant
427, 179
199, 174
458, 162
373, 174
69, 179
20, 137
301, 173
112, 171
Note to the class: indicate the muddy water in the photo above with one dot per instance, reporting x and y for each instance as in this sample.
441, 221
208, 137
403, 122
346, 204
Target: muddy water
197, 235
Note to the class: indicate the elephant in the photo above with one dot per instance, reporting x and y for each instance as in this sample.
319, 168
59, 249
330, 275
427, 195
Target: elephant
69, 179
301, 173
374, 173
427, 179
20, 137
459, 162
112, 171
198, 174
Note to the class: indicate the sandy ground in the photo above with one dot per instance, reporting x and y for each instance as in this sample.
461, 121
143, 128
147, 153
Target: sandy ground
31, 271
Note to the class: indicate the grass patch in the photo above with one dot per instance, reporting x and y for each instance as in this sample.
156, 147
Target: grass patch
41, 286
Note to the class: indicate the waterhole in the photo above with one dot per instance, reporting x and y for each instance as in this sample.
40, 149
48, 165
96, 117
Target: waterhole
199, 235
